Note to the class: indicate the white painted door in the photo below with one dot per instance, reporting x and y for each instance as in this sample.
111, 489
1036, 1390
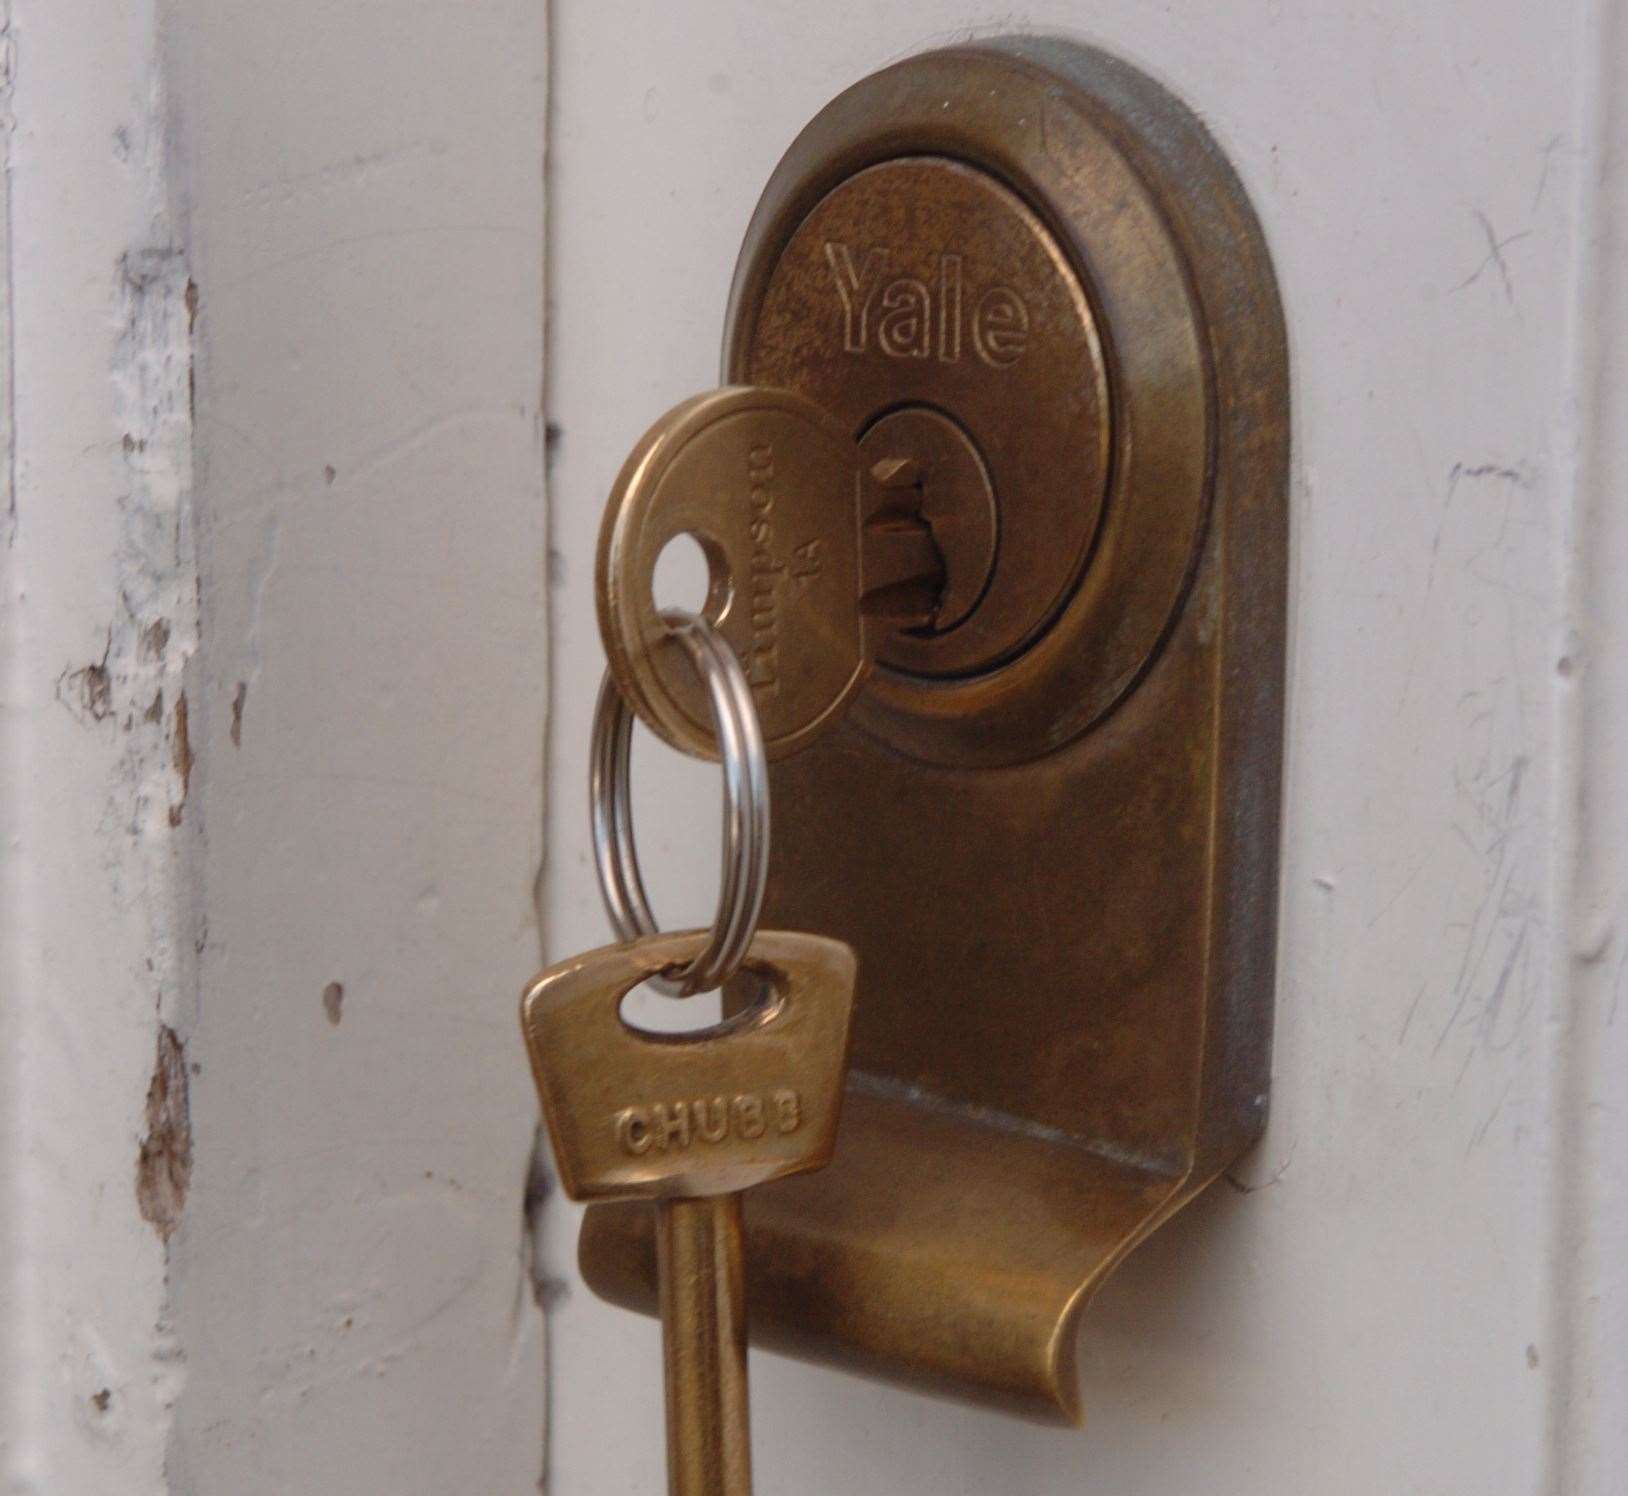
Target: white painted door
275, 672
1415, 1285
272, 708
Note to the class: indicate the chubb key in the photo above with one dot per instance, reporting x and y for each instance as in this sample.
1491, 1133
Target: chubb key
690, 1120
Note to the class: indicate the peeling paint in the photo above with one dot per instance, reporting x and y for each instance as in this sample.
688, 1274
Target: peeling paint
164, 1164
181, 757
99, 620
155, 639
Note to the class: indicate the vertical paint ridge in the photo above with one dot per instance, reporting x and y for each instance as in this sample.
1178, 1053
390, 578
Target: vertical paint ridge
1586, 1448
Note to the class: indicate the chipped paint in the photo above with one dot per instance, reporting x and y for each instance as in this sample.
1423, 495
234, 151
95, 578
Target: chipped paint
164, 1164
101, 917
180, 758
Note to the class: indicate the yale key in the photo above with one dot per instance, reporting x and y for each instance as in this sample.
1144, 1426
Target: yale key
690, 1120
815, 545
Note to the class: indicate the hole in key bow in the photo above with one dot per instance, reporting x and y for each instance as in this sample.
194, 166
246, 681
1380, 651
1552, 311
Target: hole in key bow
691, 573
747, 998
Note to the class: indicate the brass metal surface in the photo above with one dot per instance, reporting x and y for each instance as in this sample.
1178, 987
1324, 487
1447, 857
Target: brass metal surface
924, 283
806, 539
769, 485
703, 1344
1058, 866
688, 1120
635, 1115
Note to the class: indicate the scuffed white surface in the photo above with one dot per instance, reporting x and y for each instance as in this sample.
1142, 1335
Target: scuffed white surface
98, 896
319, 226
1387, 1310
363, 192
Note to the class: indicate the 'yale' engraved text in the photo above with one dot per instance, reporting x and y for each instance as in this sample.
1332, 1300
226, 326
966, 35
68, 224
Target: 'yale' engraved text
912, 320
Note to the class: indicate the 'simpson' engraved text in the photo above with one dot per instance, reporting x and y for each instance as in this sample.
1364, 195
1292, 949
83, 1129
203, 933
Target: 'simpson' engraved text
763, 659
666, 1126
909, 319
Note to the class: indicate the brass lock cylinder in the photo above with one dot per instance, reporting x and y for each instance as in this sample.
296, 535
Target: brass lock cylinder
928, 309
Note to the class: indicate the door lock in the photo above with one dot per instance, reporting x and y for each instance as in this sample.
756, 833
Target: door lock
994, 503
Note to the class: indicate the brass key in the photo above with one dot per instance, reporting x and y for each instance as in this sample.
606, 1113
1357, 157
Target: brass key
689, 1121
817, 546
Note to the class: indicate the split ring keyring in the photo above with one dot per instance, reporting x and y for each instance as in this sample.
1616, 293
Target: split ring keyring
746, 810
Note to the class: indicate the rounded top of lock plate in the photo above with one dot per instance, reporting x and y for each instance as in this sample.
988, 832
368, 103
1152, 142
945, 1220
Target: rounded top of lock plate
768, 485
1103, 257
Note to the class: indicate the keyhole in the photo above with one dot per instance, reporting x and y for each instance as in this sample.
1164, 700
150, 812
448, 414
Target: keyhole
690, 573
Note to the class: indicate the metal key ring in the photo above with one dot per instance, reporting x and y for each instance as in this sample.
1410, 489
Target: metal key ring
746, 810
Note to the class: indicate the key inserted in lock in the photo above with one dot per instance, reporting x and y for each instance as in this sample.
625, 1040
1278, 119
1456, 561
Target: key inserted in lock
812, 548
1015, 294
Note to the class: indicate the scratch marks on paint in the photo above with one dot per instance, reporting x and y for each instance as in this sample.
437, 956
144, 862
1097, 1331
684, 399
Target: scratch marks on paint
340, 177
1498, 977
1494, 263
1469, 897
87, 692
1494, 257
1479, 1136
1496, 982
1555, 145
1520, 474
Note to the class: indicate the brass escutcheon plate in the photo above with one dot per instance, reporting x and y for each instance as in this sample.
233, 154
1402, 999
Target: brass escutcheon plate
1051, 831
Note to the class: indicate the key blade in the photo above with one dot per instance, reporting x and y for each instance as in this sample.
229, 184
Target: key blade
703, 1337
902, 570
